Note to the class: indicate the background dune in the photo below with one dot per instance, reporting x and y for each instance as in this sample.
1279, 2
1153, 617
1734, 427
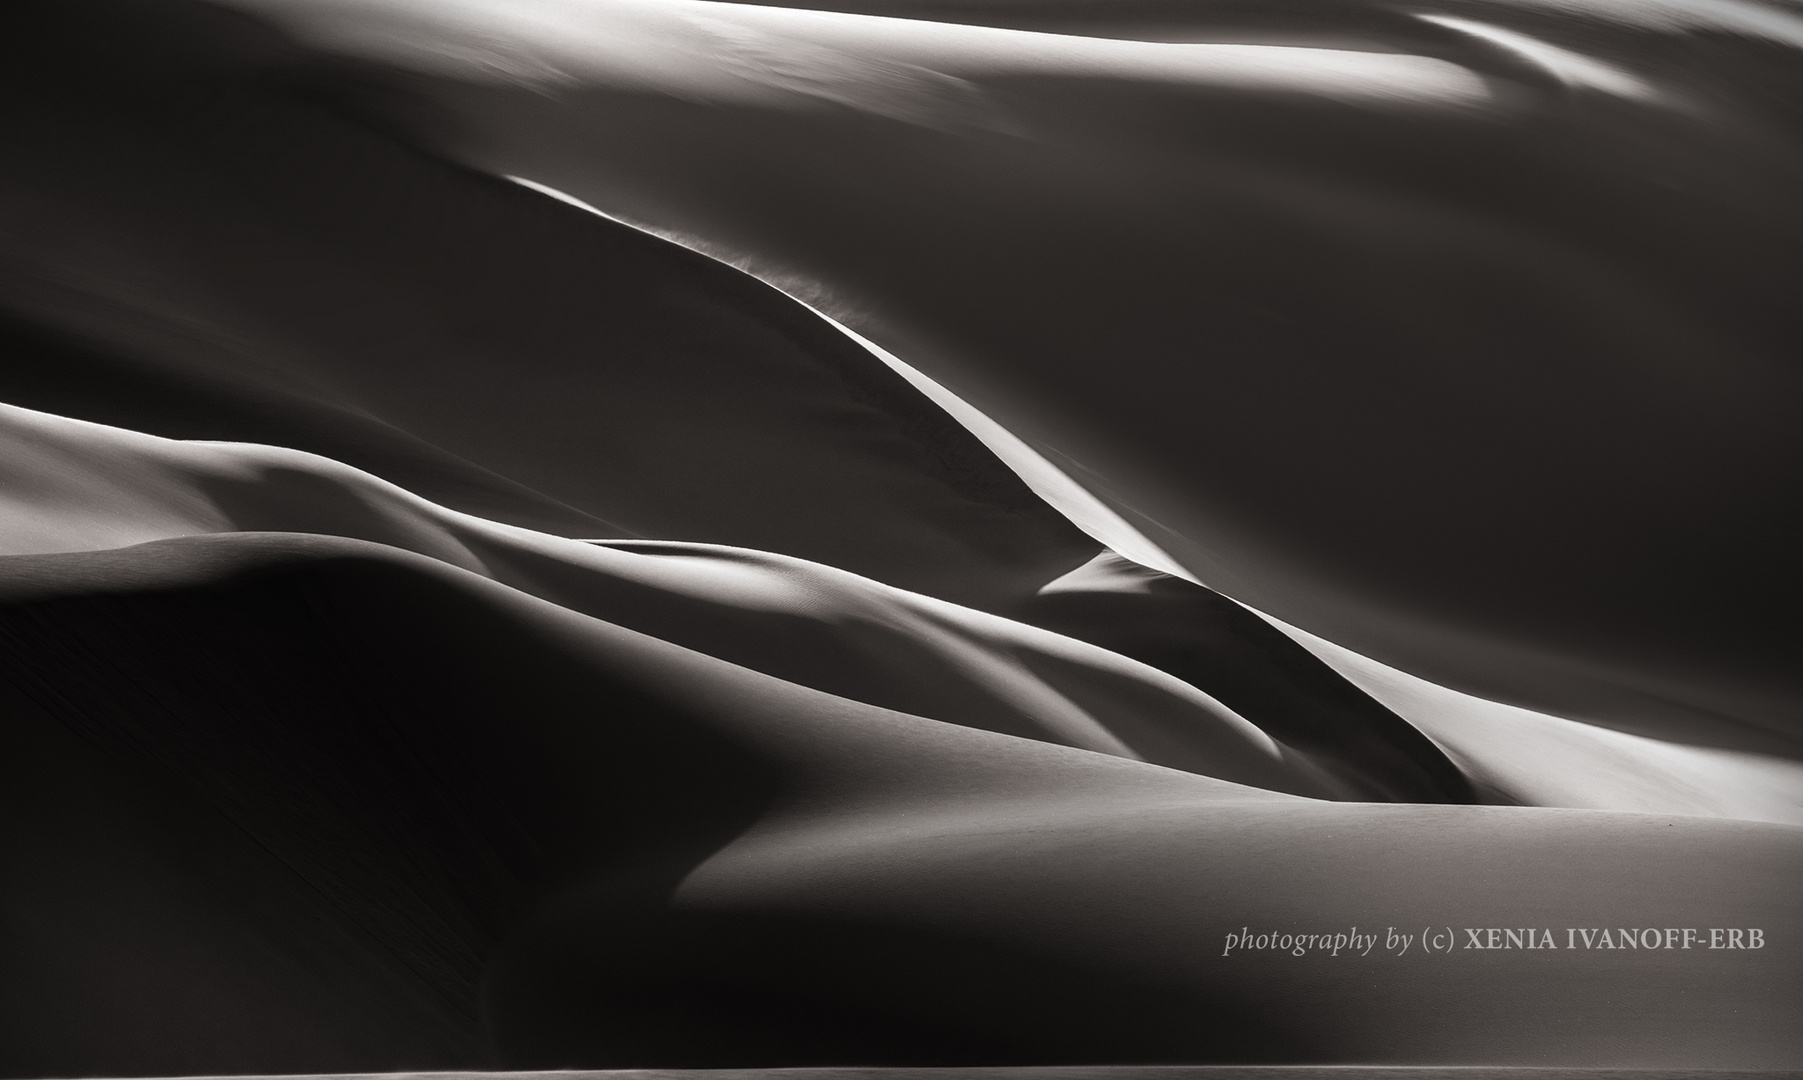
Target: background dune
264, 269
1219, 289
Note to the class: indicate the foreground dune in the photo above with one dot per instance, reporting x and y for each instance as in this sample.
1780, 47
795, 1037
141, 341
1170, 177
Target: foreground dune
592, 846
443, 627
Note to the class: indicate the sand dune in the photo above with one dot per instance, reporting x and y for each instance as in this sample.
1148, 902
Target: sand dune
443, 628
1572, 225
250, 264
617, 851
79, 486
802, 622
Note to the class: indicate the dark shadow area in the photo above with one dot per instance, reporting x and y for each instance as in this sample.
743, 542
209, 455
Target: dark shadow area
260, 238
696, 989
401, 769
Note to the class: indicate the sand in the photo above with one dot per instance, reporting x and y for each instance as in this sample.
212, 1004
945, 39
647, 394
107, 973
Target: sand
1288, 564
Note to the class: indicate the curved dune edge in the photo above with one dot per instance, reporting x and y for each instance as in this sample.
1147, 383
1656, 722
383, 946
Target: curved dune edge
81, 486
1574, 764
1045, 479
98, 488
1514, 754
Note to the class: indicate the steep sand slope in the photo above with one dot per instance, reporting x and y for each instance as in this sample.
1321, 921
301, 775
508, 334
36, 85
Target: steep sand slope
235, 257
1461, 333
614, 851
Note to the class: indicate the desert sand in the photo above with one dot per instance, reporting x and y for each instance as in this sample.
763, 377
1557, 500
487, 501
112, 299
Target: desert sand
589, 534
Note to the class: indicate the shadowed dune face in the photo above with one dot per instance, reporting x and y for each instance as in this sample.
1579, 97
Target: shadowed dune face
228, 255
1219, 283
388, 812
327, 744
